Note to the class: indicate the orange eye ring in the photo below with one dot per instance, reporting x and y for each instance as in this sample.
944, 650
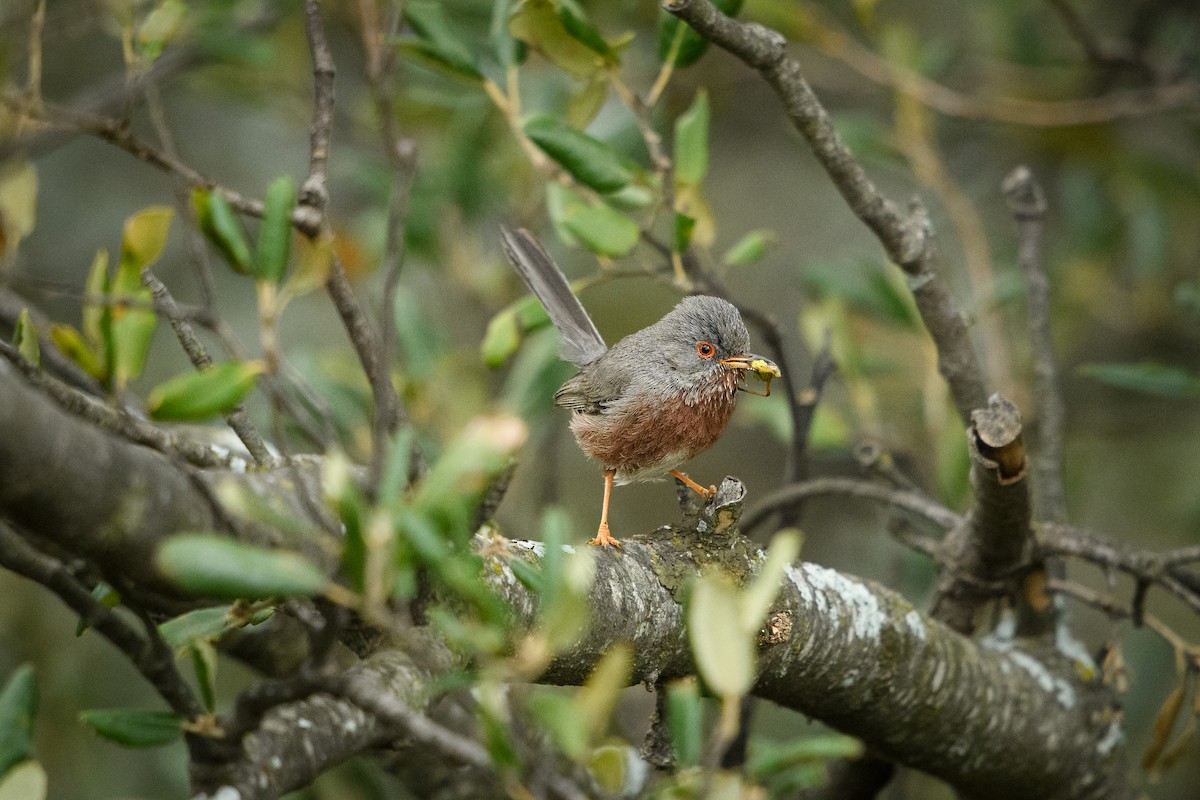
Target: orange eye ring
705, 349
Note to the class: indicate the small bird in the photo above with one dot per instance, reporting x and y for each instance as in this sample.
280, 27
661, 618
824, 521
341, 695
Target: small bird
660, 395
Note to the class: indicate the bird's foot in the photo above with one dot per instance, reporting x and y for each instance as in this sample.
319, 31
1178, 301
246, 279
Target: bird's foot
604, 538
707, 494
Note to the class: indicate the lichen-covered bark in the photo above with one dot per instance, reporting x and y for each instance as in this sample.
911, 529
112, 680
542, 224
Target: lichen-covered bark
994, 720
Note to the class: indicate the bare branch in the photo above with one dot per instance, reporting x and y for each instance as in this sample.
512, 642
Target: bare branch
905, 236
1027, 203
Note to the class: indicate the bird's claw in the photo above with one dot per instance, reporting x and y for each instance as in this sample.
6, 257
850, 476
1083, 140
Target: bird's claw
604, 538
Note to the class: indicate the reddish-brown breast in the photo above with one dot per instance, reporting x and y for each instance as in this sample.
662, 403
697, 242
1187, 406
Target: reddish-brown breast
647, 439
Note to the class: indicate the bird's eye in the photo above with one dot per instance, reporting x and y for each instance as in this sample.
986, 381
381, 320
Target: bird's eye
705, 349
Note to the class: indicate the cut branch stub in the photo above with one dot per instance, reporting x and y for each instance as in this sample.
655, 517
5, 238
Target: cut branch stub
996, 440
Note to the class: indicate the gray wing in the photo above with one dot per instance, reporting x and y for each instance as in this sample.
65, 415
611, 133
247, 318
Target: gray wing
594, 388
581, 342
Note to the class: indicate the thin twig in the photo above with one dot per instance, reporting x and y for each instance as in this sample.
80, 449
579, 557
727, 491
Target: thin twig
152, 659
913, 502
237, 418
1027, 203
315, 192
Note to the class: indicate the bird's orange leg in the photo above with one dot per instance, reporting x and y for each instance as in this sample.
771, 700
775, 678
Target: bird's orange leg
603, 537
695, 487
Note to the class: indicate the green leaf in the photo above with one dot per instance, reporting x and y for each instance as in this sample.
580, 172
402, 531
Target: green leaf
18, 708
160, 27
204, 664
590, 161
563, 36
203, 624
144, 238
25, 781
501, 340
685, 721
760, 594
72, 345
692, 46
684, 225
204, 394
25, 339
97, 313
131, 728
18, 203
768, 758
598, 697
221, 225
394, 479
723, 648
603, 231
749, 248
575, 22
1148, 377
133, 318
106, 596
437, 42
691, 142
558, 714
213, 566
275, 233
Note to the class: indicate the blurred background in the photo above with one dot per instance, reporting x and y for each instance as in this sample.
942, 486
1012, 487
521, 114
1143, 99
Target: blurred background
986, 87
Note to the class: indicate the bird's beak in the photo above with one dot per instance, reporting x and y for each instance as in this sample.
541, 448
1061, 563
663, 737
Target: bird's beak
762, 368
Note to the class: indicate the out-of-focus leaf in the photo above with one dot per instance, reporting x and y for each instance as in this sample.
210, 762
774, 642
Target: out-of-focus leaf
131, 728
761, 592
214, 566
723, 648
160, 27
205, 624
749, 248
1148, 377
603, 230
420, 341
684, 225
598, 697
204, 664
275, 232
220, 224
394, 479
560, 716
312, 265
685, 721
562, 35
1164, 724
536, 373
25, 338
501, 340
767, 757
144, 238
591, 162
691, 141
437, 41
71, 343
106, 596
204, 394
692, 45
25, 781
97, 313
610, 768
18, 708
583, 105
468, 465
18, 203
560, 201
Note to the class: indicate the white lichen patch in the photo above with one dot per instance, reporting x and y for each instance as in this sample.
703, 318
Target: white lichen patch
1112, 737
1073, 649
1050, 683
916, 625
818, 585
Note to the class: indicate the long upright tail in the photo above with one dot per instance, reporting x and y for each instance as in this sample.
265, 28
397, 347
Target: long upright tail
581, 342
